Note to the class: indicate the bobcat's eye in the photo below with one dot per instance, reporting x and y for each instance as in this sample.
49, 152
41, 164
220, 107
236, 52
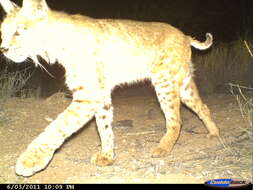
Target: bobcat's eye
20, 29
16, 33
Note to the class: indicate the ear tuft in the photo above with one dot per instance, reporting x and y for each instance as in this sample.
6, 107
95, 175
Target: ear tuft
35, 8
8, 6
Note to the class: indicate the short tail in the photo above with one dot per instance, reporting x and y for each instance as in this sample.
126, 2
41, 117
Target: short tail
202, 45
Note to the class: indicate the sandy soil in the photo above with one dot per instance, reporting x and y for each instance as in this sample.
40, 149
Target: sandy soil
138, 126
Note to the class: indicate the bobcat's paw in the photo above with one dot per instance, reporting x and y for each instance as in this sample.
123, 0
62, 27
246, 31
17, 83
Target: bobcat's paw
213, 134
33, 160
159, 152
102, 159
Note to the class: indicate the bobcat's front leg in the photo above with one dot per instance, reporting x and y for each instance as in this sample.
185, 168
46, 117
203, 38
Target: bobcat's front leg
41, 150
104, 118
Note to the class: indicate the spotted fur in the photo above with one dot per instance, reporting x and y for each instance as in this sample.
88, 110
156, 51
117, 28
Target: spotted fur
99, 54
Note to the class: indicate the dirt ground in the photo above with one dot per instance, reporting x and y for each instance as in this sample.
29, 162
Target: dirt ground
138, 126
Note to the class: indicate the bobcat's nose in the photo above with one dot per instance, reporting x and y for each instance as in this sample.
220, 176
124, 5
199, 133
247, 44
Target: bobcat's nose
3, 49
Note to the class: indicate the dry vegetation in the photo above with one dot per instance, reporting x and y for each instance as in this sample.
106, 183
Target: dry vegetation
12, 83
244, 98
225, 63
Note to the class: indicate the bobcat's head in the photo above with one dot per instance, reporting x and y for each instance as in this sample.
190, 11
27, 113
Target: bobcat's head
23, 29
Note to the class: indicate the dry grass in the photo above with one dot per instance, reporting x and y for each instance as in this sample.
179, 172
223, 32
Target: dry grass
225, 63
12, 83
245, 103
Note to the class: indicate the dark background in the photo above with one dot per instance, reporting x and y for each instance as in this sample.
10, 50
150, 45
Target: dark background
227, 20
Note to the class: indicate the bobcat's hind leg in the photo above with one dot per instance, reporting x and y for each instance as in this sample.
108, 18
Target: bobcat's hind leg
190, 97
168, 96
41, 150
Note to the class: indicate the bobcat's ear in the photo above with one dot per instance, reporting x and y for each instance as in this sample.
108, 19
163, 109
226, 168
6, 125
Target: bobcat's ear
8, 6
35, 8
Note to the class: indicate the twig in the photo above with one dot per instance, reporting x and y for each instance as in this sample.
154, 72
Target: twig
228, 148
247, 46
141, 133
245, 105
237, 85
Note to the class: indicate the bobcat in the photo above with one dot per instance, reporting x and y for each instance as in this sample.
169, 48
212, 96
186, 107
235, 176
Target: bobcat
99, 54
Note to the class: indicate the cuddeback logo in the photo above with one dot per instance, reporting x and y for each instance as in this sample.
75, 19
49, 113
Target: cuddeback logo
228, 183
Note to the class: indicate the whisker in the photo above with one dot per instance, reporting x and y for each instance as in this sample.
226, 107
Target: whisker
46, 71
35, 61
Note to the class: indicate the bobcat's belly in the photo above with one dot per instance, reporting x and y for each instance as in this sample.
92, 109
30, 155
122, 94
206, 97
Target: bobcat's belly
126, 70
130, 65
